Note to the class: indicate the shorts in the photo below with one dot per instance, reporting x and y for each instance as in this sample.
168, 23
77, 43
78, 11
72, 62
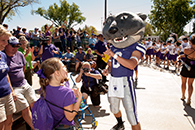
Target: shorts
188, 74
162, 57
7, 107
25, 96
173, 57
149, 52
158, 54
129, 102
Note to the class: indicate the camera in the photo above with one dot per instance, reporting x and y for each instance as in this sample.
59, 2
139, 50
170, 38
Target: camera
85, 69
43, 40
28, 45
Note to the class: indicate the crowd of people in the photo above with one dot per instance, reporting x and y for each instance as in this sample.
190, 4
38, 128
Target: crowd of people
175, 51
165, 53
22, 54
61, 37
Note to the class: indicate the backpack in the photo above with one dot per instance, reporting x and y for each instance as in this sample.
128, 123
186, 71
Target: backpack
42, 118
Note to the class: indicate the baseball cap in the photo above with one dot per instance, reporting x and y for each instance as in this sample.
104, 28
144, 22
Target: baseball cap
100, 35
68, 48
36, 28
13, 41
80, 47
19, 26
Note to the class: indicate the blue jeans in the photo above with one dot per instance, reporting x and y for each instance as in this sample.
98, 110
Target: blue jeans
69, 44
63, 44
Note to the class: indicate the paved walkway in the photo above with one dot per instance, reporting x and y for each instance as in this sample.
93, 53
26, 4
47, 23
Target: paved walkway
159, 104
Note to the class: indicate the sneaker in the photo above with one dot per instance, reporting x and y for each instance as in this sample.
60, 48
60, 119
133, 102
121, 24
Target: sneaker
167, 68
118, 127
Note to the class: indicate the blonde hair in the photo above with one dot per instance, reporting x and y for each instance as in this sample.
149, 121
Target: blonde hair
86, 63
89, 49
4, 31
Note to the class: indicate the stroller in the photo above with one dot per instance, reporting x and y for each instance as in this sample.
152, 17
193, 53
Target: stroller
81, 114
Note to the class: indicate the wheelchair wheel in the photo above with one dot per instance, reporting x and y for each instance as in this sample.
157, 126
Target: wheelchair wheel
94, 124
79, 128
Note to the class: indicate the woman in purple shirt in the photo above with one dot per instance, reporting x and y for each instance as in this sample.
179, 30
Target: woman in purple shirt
52, 74
47, 33
7, 105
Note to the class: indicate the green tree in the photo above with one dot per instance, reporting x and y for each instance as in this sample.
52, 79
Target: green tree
90, 30
58, 14
170, 16
8, 8
148, 29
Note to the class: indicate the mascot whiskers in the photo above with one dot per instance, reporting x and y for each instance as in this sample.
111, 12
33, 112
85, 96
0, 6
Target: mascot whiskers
124, 31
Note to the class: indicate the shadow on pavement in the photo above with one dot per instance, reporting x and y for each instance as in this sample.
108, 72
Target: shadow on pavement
97, 111
189, 112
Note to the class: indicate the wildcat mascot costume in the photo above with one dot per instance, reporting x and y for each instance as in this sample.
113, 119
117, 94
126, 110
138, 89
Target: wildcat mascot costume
124, 31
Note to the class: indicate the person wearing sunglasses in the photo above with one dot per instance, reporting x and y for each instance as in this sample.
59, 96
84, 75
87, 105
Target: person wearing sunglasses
25, 94
7, 105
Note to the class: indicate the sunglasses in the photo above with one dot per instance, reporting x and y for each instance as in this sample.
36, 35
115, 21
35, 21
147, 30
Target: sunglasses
15, 46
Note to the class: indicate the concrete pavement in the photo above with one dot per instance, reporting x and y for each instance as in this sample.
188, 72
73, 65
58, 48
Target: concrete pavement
159, 104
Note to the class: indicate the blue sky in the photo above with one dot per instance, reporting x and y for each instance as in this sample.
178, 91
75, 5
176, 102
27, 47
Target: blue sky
93, 10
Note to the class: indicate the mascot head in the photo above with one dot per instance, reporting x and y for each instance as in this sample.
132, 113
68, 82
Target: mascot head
124, 29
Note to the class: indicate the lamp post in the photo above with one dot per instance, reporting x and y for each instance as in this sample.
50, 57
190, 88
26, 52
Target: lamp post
105, 10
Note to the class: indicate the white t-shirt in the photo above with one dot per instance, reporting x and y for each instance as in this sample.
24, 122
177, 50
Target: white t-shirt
156, 47
163, 49
171, 49
148, 44
184, 45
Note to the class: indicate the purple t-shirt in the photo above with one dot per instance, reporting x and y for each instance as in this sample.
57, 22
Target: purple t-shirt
100, 47
80, 56
61, 96
62, 31
16, 73
68, 37
4, 85
47, 34
118, 70
47, 51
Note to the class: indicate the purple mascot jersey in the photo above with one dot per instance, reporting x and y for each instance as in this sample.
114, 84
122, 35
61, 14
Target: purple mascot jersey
118, 70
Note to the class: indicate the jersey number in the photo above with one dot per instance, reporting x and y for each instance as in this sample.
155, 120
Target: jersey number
115, 63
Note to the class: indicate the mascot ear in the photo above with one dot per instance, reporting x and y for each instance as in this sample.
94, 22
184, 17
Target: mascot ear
142, 16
